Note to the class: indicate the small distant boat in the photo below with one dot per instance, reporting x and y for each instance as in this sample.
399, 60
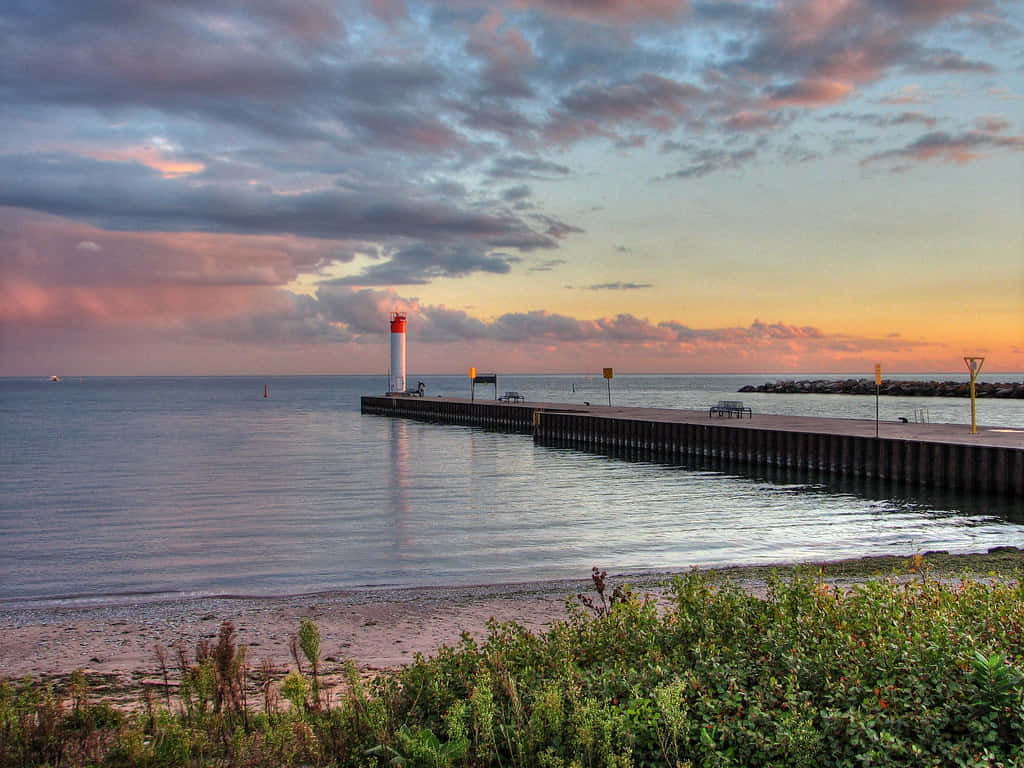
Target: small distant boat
55, 378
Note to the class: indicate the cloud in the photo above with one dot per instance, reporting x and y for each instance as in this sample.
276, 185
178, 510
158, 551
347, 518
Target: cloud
424, 262
523, 167
939, 145
555, 228
126, 196
547, 266
910, 94
904, 118
652, 100
610, 11
814, 52
751, 120
618, 286
992, 124
951, 61
809, 93
710, 161
907, 117
184, 165
506, 55
517, 193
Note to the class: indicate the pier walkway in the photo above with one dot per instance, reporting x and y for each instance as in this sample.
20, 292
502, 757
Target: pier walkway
929, 455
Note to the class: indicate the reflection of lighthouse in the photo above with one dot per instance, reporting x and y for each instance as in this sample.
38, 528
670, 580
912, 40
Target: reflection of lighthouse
397, 380
400, 487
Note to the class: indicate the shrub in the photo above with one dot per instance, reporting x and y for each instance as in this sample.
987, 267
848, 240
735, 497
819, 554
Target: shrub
887, 673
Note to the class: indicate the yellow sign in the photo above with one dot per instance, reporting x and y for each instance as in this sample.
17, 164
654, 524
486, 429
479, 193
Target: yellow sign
608, 373
472, 373
974, 365
878, 374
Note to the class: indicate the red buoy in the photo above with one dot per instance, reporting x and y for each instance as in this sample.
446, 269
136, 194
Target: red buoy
264, 390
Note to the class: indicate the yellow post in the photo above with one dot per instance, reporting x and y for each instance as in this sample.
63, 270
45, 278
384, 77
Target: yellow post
878, 383
974, 366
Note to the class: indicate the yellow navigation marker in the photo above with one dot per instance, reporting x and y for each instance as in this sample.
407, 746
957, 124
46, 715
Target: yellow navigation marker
974, 366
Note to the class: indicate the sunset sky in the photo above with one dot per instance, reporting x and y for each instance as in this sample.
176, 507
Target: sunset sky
251, 186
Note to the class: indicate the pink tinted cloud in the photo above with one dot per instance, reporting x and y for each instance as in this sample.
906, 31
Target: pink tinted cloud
809, 93
270, 324
54, 273
751, 120
502, 45
807, 22
506, 54
831, 46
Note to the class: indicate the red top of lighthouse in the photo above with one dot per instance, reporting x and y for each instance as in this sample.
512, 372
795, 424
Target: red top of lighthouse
398, 322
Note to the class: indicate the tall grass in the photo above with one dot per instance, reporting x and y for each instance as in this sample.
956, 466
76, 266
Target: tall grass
888, 673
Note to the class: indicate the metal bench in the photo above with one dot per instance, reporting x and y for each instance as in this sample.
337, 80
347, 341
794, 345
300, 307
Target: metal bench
512, 397
730, 408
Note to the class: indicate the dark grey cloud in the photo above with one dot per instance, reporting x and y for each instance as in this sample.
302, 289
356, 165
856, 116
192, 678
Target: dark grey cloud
519, 192
524, 167
950, 61
125, 196
424, 262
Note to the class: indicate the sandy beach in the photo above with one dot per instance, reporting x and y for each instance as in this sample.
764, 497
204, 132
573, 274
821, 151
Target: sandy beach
377, 630
115, 644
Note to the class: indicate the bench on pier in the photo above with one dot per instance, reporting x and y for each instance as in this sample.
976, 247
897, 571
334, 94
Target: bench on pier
512, 397
730, 408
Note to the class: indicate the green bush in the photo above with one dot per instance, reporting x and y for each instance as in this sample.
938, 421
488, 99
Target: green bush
888, 673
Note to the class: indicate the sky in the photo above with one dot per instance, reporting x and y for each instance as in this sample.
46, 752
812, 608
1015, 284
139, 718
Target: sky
201, 187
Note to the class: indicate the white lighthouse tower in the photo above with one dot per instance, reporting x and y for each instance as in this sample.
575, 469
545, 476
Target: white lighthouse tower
396, 381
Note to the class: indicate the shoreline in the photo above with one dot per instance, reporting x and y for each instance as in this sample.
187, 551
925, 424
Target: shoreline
378, 630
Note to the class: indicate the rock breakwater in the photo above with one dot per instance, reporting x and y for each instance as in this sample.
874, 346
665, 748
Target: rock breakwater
894, 388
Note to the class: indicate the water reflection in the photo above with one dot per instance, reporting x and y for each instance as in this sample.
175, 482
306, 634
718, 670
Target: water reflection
897, 494
399, 490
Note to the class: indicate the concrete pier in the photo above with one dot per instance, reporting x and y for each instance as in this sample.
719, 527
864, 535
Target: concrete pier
939, 456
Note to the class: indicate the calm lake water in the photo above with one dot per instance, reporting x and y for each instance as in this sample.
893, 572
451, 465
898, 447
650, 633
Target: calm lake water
150, 487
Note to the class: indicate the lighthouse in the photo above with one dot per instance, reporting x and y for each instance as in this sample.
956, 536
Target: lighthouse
396, 381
